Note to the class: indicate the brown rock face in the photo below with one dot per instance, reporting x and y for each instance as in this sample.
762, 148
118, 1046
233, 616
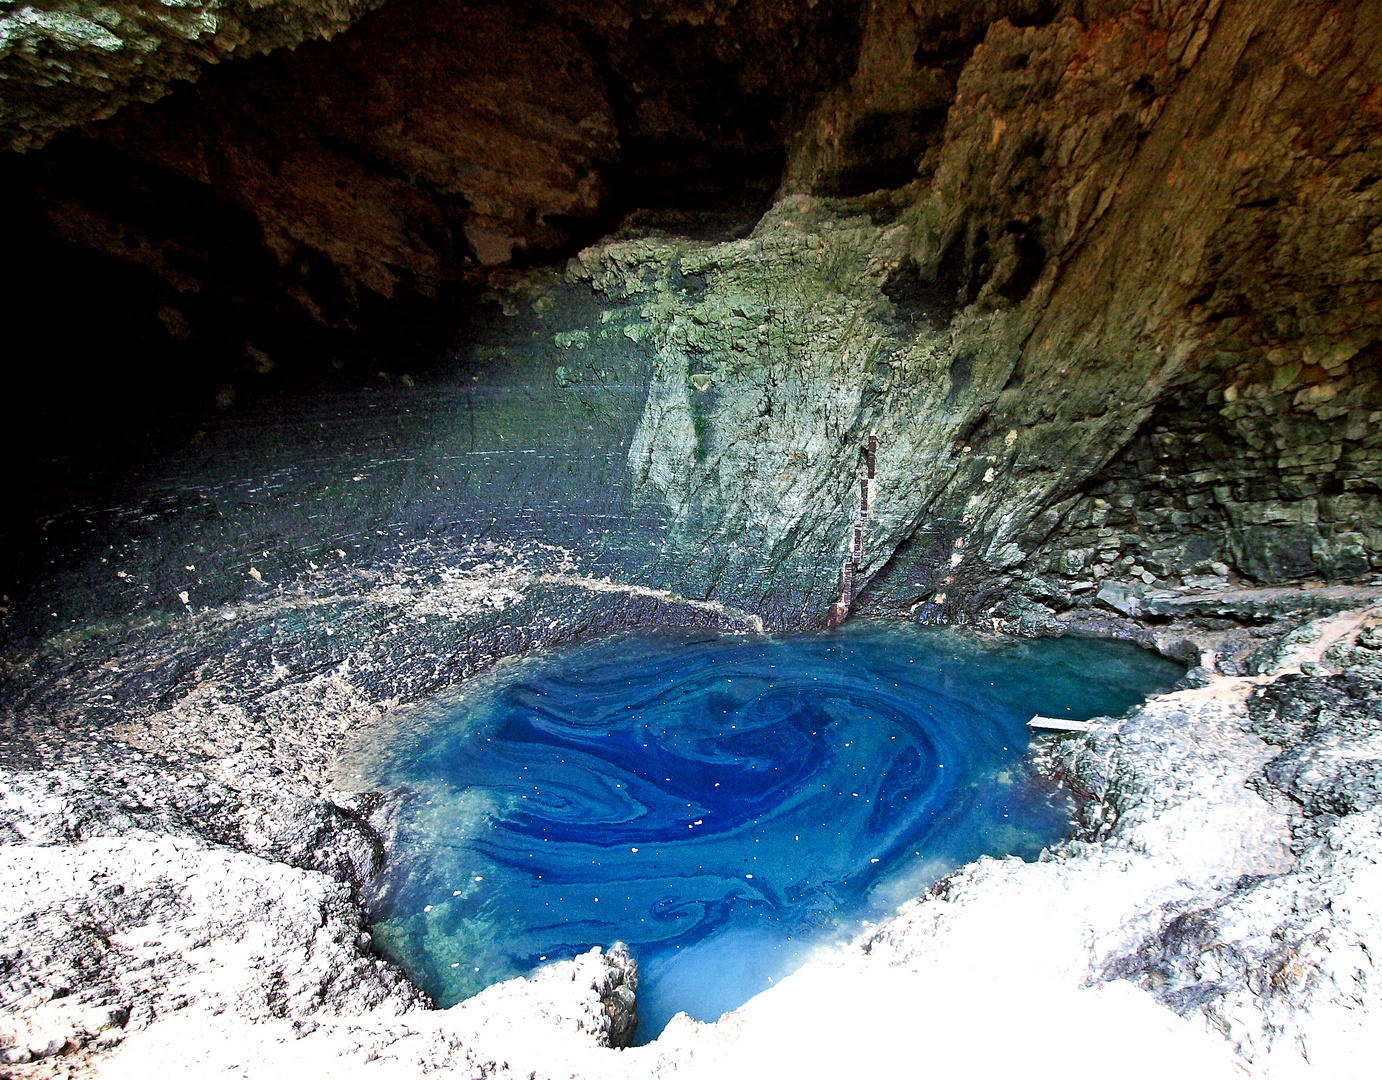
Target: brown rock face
885, 126
436, 136
1164, 209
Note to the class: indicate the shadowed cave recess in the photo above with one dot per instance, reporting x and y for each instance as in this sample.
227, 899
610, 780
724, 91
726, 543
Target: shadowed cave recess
356, 347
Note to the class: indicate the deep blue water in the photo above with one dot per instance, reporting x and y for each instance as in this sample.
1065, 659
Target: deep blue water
723, 804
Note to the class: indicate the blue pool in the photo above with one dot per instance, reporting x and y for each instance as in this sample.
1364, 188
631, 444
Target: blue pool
726, 805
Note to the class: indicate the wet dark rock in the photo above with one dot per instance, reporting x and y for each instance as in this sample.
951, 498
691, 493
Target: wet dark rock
1028, 618
618, 996
1196, 678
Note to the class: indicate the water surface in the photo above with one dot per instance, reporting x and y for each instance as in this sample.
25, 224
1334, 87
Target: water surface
724, 804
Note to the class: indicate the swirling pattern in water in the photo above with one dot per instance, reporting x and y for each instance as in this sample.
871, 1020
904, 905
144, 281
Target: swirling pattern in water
719, 803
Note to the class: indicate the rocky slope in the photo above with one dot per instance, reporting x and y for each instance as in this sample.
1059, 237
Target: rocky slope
1226, 866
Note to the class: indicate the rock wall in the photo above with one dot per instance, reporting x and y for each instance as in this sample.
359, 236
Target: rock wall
1152, 293
1045, 401
64, 63
431, 140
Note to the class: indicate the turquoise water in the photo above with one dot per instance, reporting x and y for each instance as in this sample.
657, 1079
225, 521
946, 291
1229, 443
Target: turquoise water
724, 804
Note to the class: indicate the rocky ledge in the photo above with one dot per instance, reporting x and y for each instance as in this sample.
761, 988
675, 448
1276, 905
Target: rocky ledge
180, 894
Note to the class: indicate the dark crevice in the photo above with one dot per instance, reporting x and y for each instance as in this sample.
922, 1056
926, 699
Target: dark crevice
1030, 255
919, 302
882, 151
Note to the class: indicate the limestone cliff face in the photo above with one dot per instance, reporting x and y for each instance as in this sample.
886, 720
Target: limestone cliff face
771, 354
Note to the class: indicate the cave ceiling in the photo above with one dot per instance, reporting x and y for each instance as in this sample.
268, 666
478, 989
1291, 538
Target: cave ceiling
335, 190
